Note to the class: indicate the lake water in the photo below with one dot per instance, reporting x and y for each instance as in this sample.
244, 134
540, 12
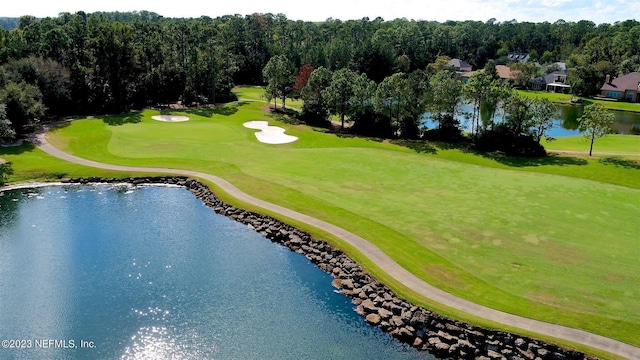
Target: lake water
566, 123
115, 272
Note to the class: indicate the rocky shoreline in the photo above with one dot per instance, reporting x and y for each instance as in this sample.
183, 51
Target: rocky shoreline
411, 324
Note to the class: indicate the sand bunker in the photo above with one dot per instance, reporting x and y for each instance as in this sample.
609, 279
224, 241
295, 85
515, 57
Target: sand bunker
269, 134
170, 118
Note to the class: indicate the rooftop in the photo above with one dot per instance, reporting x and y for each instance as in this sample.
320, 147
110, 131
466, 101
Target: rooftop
631, 81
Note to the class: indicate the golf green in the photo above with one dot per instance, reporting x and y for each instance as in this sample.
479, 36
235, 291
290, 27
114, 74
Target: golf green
556, 248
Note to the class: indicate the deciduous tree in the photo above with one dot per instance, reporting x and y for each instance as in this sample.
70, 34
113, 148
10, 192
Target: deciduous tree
279, 76
340, 92
302, 79
445, 96
543, 113
595, 123
6, 130
23, 105
315, 109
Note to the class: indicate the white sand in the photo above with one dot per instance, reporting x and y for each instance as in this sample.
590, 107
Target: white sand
170, 118
269, 134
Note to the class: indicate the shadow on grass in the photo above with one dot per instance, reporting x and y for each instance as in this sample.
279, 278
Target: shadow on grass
552, 160
419, 146
224, 110
423, 147
620, 162
26, 146
121, 119
286, 116
5, 170
346, 135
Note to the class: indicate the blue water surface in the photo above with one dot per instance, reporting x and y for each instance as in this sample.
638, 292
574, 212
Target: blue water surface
104, 272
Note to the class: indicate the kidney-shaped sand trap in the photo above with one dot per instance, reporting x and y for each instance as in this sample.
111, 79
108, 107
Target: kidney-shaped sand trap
170, 118
269, 134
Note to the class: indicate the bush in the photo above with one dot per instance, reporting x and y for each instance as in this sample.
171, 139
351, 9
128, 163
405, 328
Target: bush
445, 134
502, 139
371, 123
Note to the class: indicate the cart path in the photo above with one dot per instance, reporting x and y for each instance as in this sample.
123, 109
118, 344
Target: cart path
376, 255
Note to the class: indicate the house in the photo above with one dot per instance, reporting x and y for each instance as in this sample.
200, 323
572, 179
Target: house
518, 57
460, 65
505, 72
625, 87
555, 81
462, 68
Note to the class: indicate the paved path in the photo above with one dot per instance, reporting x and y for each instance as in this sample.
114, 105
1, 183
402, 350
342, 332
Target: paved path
378, 257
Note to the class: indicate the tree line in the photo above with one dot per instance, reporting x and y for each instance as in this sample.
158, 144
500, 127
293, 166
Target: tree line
396, 107
111, 62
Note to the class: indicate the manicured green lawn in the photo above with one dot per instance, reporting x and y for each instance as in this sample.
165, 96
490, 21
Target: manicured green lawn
30, 164
626, 144
257, 93
509, 234
566, 99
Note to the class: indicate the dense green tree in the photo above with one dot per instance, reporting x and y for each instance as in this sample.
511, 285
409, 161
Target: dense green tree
417, 90
543, 113
445, 96
595, 123
389, 98
477, 90
362, 98
6, 130
339, 92
116, 61
518, 114
522, 74
51, 78
315, 109
279, 75
24, 106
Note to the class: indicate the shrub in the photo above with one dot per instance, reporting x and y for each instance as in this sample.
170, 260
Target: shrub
502, 139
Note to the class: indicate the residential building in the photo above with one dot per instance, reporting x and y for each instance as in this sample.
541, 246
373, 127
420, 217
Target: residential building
555, 81
518, 57
460, 65
504, 72
625, 87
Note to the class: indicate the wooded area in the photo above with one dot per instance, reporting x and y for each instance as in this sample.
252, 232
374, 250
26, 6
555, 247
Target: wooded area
112, 62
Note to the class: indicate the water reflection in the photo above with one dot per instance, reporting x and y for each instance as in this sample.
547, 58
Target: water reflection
153, 273
566, 121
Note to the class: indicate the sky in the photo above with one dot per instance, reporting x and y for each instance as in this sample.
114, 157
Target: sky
597, 11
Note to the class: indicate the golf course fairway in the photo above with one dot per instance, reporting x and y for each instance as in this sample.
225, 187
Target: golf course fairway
561, 249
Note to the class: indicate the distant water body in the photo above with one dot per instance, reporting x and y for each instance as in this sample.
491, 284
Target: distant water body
104, 272
565, 120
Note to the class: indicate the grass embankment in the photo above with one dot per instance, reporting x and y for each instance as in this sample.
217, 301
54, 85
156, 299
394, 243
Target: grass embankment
565, 99
614, 144
561, 249
257, 93
30, 164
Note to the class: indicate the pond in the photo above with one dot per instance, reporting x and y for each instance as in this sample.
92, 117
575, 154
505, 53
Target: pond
111, 272
566, 123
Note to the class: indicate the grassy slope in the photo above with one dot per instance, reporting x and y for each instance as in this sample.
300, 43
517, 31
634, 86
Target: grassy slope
503, 238
627, 144
257, 93
566, 99
30, 164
